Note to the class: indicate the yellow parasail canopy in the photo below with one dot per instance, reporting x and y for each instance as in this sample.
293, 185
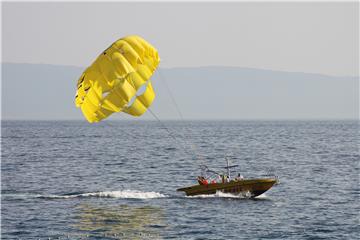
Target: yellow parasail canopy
118, 80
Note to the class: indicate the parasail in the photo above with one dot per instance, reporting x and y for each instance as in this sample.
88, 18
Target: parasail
118, 80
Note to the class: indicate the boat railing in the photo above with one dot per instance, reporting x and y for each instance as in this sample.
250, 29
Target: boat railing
274, 176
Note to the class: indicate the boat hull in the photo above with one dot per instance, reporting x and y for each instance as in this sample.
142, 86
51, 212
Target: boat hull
253, 187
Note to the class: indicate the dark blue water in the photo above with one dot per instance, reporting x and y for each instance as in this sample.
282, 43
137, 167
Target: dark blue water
117, 180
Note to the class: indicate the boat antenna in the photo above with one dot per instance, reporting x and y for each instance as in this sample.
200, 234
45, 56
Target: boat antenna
228, 167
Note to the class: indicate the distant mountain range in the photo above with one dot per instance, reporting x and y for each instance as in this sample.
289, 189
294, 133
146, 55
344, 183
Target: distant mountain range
46, 92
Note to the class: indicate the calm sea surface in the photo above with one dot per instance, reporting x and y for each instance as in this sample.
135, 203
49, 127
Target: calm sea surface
118, 180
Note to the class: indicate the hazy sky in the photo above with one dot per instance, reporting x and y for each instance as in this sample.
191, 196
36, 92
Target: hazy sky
306, 37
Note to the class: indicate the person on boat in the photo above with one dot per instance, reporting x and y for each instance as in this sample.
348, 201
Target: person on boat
223, 178
239, 177
202, 180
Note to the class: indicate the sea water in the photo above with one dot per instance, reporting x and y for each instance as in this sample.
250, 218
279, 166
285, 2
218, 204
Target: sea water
118, 180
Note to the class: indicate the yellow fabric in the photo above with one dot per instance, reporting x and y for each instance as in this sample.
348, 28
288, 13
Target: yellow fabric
110, 84
142, 102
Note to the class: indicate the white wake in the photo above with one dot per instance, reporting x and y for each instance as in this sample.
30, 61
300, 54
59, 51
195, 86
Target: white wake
125, 194
218, 194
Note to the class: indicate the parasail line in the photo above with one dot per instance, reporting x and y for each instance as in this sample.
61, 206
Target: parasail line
162, 79
169, 132
193, 146
161, 123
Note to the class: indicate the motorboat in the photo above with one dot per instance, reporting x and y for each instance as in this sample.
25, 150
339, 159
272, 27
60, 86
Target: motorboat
239, 185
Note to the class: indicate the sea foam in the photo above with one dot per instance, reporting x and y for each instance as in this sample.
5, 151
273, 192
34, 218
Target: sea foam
126, 194
219, 194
